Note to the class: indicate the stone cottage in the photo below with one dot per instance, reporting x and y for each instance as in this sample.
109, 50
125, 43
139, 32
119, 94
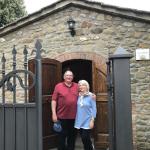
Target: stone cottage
99, 30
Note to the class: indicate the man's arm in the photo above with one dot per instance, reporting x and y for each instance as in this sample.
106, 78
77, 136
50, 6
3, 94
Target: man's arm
53, 107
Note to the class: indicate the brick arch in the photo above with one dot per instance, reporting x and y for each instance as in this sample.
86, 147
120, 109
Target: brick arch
99, 60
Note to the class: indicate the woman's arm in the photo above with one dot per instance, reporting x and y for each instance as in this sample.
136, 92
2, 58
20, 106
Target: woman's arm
94, 111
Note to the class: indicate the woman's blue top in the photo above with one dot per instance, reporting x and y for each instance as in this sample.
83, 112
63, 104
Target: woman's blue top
86, 110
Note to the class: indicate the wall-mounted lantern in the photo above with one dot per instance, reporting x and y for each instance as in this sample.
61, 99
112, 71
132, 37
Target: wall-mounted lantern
71, 26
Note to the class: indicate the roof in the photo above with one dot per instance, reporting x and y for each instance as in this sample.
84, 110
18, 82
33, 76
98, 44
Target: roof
139, 15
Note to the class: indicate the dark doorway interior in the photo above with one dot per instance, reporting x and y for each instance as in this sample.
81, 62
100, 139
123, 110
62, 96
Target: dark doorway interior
82, 69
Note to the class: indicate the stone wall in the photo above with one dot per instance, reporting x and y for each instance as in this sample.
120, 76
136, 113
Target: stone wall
96, 33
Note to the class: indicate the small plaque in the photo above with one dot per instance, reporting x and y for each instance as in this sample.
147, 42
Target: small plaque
142, 54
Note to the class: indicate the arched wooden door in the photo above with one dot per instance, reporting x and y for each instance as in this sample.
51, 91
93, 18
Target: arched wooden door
101, 124
51, 75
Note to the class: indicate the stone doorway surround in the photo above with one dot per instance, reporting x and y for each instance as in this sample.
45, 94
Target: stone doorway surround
100, 63
99, 60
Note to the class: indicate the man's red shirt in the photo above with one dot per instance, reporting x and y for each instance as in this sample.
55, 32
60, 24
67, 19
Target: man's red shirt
66, 98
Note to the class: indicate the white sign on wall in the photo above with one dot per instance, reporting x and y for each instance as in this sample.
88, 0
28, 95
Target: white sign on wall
142, 54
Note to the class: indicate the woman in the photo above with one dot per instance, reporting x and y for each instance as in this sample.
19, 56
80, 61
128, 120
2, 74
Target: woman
86, 113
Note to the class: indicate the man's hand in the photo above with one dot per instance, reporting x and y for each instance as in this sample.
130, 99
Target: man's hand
54, 117
53, 107
93, 96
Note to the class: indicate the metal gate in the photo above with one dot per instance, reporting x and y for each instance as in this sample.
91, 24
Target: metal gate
21, 123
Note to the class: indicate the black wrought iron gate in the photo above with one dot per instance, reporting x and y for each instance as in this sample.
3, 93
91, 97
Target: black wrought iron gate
21, 123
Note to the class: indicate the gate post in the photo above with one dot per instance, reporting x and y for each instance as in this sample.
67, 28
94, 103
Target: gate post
38, 94
122, 99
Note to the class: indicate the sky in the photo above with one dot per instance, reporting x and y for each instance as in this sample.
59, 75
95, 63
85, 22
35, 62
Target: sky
35, 5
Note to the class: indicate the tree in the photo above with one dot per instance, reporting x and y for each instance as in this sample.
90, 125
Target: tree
11, 10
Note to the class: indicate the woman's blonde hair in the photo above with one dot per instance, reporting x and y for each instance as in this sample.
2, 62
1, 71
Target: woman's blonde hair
84, 82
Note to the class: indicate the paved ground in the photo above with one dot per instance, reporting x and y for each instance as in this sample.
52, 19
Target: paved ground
79, 145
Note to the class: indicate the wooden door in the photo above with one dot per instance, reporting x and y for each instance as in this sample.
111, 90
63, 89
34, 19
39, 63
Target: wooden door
101, 124
51, 75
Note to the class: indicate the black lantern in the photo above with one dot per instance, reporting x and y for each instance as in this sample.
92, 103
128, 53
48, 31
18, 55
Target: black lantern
71, 26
